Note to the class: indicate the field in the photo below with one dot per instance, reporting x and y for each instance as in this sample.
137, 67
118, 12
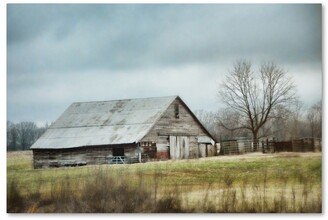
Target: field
284, 182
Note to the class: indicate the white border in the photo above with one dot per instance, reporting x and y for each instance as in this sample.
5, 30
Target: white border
3, 80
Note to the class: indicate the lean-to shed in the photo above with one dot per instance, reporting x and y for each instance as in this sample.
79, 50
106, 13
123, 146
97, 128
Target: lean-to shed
130, 130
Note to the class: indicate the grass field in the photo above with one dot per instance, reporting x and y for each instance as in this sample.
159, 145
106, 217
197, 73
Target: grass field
284, 182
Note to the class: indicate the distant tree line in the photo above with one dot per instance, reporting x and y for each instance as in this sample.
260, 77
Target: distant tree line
20, 136
286, 124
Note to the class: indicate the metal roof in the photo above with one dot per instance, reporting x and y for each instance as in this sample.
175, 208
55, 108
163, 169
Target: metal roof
103, 123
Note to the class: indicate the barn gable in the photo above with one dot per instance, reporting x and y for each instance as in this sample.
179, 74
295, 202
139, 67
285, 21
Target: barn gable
179, 124
186, 123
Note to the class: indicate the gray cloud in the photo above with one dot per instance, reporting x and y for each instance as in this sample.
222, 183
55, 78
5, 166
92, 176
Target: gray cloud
53, 48
120, 37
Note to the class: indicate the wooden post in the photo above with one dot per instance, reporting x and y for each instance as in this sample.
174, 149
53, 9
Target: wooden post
267, 144
139, 152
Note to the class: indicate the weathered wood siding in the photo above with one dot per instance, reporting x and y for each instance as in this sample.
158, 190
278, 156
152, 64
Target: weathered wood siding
184, 126
202, 150
77, 156
211, 150
179, 147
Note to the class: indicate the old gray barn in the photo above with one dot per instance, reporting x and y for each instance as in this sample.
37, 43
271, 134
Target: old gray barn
130, 130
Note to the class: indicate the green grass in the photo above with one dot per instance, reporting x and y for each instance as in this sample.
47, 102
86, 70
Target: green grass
19, 167
275, 172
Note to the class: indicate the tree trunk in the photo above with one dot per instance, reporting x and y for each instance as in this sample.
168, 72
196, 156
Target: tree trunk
255, 141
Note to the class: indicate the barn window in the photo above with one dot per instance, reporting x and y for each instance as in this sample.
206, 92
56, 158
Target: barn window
176, 110
118, 152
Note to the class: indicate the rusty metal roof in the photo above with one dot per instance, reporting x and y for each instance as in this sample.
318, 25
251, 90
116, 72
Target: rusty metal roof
103, 123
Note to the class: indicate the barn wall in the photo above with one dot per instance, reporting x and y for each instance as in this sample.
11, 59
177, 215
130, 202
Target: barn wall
77, 156
211, 150
168, 125
57, 158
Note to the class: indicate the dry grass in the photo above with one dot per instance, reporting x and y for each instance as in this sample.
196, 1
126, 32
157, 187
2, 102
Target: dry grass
247, 183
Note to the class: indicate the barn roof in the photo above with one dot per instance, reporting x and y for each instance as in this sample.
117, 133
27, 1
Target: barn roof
103, 123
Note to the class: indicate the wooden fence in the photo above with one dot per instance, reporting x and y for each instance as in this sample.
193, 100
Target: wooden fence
246, 146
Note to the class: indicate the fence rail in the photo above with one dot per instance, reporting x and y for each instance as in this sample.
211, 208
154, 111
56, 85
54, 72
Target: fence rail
122, 160
266, 146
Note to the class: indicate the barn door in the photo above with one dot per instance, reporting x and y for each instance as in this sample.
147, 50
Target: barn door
202, 150
179, 147
173, 143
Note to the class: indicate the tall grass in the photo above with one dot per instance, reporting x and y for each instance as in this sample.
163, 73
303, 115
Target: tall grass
260, 197
107, 192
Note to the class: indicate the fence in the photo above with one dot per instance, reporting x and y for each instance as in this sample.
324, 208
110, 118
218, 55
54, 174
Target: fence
122, 160
265, 146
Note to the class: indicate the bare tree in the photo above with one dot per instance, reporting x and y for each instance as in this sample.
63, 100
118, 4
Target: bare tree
27, 134
209, 120
254, 96
12, 136
286, 123
20, 136
295, 121
314, 118
230, 123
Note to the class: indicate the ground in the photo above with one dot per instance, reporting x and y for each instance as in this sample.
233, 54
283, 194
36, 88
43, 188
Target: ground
283, 182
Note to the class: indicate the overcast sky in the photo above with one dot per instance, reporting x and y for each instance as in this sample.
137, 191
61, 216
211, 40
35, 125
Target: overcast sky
59, 54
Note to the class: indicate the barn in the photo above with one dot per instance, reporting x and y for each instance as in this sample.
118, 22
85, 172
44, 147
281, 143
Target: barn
123, 131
